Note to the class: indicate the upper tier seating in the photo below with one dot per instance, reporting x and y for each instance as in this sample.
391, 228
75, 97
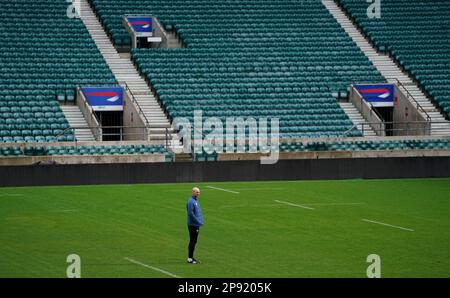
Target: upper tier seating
417, 34
259, 58
44, 55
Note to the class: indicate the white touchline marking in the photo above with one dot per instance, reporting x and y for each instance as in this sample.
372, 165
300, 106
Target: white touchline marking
295, 205
255, 188
69, 210
151, 267
11, 195
249, 206
227, 190
385, 224
330, 204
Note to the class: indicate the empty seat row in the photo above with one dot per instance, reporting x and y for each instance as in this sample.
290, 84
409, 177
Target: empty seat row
85, 150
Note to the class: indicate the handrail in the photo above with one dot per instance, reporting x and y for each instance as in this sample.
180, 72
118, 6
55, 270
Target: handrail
427, 125
409, 95
64, 133
133, 100
145, 133
74, 128
163, 31
92, 115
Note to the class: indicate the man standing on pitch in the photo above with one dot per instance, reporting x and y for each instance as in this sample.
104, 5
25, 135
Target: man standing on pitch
195, 221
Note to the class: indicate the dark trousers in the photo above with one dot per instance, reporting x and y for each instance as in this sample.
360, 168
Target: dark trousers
193, 235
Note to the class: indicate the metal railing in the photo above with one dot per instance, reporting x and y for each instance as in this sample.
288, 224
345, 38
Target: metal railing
123, 133
400, 128
163, 31
90, 116
403, 88
134, 101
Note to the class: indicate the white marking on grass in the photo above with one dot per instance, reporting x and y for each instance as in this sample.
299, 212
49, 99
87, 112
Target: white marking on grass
249, 206
255, 188
151, 267
11, 195
330, 204
222, 189
294, 205
68, 210
385, 224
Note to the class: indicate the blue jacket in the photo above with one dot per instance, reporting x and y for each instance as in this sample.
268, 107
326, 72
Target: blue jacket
194, 213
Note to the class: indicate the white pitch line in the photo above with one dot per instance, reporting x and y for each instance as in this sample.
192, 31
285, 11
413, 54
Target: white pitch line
255, 188
68, 210
331, 204
385, 224
249, 206
11, 195
222, 189
151, 267
295, 205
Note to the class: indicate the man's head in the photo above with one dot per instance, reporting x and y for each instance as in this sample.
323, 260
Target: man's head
196, 192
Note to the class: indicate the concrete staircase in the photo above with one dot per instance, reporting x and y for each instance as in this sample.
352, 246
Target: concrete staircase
389, 69
125, 71
357, 119
77, 121
173, 42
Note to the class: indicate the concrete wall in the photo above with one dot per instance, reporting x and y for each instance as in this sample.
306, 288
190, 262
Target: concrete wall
89, 115
134, 125
405, 111
300, 169
366, 111
80, 159
159, 31
100, 159
336, 154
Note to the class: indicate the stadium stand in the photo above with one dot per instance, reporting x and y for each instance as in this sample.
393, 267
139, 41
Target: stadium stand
44, 55
284, 147
83, 150
240, 62
417, 35
366, 145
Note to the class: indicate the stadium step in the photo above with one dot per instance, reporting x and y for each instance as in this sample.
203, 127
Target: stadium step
357, 119
124, 71
173, 41
389, 69
77, 121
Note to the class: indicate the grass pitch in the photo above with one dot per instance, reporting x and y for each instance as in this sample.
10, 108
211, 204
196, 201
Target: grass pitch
269, 229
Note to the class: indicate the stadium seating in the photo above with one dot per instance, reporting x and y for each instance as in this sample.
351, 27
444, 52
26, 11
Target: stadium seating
13, 151
44, 55
417, 35
250, 58
84, 150
366, 145
442, 144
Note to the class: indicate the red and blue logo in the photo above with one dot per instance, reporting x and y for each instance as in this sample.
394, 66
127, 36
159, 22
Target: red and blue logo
141, 24
104, 98
377, 95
